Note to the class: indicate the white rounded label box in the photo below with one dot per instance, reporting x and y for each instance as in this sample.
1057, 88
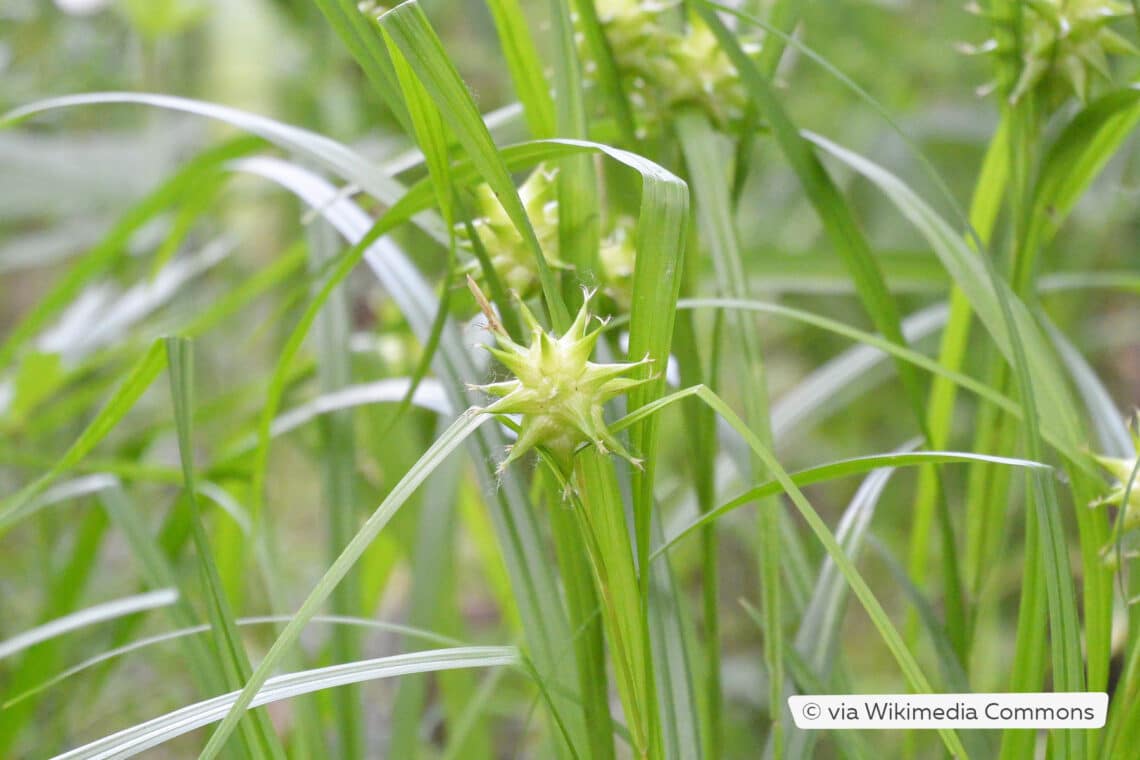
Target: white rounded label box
1006, 710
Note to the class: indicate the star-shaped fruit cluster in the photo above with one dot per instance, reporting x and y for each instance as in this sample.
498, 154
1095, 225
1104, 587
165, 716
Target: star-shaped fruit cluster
1062, 48
513, 260
510, 256
664, 67
1121, 497
558, 392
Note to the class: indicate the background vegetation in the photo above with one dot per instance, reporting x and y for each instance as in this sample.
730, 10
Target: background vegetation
907, 274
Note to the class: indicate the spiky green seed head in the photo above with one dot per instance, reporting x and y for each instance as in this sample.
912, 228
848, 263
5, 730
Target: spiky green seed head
510, 256
514, 262
1120, 496
1065, 46
559, 393
663, 69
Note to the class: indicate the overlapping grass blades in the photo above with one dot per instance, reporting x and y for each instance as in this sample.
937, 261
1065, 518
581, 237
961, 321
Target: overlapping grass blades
612, 594
1017, 335
228, 648
143, 736
661, 195
140, 377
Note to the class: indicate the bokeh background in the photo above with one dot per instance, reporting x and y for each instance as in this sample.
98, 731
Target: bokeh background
68, 176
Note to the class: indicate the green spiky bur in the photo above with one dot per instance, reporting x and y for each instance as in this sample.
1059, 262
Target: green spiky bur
513, 261
510, 256
1065, 45
1121, 470
663, 69
557, 390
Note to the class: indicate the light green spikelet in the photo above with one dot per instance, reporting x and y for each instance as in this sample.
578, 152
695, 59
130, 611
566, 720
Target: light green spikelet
1121, 496
663, 69
617, 257
510, 256
559, 393
1063, 47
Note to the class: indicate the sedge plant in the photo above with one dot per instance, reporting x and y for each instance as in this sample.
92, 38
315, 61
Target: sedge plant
478, 439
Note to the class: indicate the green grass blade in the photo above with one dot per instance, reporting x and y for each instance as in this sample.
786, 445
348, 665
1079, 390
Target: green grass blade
1017, 335
783, 15
137, 380
605, 536
433, 604
524, 65
671, 642
843, 230
157, 571
257, 733
172, 725
1070, 165
840, 468
661, 227
523, 553
980, 389
579, 212
338, 475
582, 604
451, 439
412, 32
703, 451
76, 621
64, 589
345, 162
953, 677
191, 631
1110, 428
429, 131
987, 202
360, 36
887, 631
969, 272
817, 637
184, 182
837, 383
704, 160
828, 202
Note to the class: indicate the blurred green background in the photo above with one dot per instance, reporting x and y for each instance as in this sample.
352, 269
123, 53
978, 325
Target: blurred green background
66, 177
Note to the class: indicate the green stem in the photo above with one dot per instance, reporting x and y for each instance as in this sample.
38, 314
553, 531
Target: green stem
589, 644
605, 534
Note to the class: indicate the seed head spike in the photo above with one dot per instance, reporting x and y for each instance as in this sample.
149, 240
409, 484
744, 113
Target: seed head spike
558, 391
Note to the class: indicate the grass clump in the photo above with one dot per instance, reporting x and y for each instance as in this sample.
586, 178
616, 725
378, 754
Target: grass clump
313, 545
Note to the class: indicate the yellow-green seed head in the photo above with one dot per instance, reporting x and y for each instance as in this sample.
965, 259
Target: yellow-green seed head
511, 257
1064, 45
663, 69
1120, 496
513, 261
557, 390
617, 257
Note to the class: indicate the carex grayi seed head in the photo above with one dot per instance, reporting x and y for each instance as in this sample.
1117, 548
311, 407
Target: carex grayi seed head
558, 392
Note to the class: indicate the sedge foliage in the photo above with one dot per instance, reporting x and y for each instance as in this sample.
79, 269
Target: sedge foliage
784, 389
